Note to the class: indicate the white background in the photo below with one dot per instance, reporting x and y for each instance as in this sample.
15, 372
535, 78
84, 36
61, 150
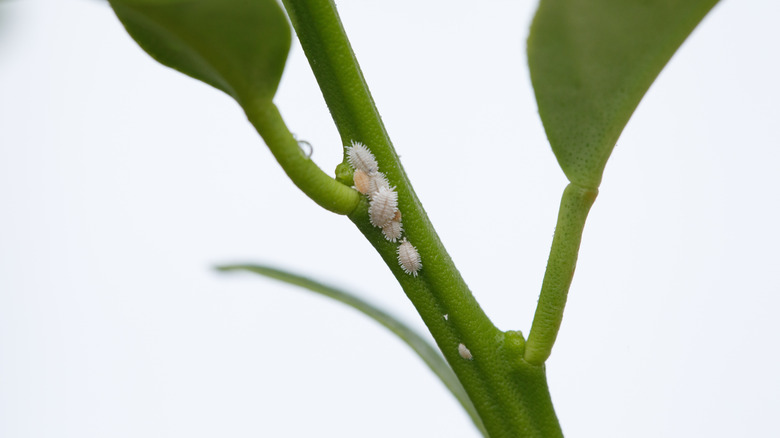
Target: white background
123, 182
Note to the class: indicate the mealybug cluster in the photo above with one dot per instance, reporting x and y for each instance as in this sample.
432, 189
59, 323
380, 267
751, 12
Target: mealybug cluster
383, 204
383, 213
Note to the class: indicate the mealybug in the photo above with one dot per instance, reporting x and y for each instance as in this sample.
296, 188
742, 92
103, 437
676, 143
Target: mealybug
409, 258
362, 182
464, 352
377, 181
361, 158
382, 207
392, 230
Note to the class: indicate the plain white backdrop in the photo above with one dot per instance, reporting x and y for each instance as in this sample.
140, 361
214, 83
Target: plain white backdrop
123, 182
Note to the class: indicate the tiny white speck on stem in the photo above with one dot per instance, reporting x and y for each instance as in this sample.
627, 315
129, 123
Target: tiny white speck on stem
464, 352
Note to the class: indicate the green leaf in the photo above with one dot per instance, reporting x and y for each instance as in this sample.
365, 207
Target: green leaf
238, 46
429, 354
591, 62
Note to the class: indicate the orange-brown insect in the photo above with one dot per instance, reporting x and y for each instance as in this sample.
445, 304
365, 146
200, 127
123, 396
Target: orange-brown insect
362, 181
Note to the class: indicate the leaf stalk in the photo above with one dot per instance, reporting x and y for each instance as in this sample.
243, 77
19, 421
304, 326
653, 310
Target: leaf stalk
575, 205
316, 184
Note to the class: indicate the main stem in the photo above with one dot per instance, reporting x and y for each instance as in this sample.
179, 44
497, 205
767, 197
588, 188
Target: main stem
510, 394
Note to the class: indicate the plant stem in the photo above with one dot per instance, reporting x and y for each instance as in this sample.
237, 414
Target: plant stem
316, 184
330, 55
510, 395
575, 205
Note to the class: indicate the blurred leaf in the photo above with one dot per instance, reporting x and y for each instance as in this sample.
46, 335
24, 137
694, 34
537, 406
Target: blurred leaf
429, 354
592, 61
238, 46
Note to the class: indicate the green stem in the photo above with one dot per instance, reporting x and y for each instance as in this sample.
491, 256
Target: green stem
330, 55
575, 205
510, 395
316, 184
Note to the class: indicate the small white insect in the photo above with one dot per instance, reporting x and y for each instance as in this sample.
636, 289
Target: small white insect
392, 230
464, 352
409, 258
361, 158
377, 181
446, 316
383, 206
362, 182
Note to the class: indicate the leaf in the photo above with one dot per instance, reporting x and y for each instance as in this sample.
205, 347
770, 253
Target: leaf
591, 62
429, 354
237, 46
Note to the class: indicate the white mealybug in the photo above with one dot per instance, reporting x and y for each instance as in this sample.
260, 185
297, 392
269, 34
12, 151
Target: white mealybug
464, 352
377, 181
392, 230
361, 158
409, 258
383, 206
362, 182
